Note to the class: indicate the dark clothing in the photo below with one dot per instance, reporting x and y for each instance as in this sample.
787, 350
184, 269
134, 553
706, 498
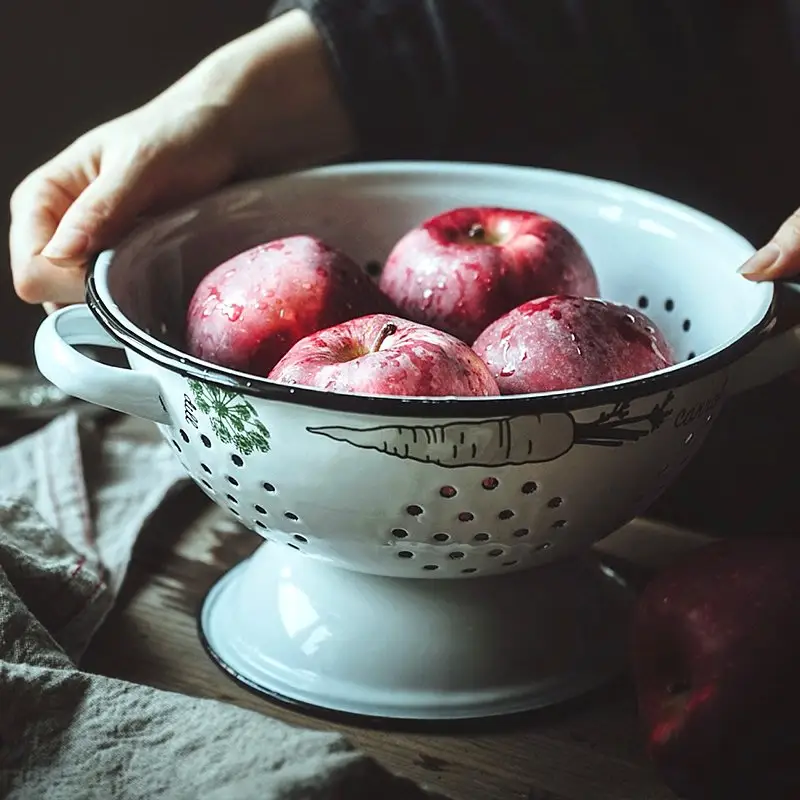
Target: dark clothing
690, 98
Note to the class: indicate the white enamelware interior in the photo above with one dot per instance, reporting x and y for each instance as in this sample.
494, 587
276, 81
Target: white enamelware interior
674, 263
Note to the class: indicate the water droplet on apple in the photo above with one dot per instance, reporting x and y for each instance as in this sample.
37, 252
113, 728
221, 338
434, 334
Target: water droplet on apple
233, 312
427, 294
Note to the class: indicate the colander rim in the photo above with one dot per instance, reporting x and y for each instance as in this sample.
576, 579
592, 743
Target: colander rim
132, 337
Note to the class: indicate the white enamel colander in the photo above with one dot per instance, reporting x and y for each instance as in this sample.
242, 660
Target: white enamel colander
424, 558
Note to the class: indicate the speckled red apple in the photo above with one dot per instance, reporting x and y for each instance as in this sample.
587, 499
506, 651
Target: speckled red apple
250, 310
461, 270
381, 354
563, 342
715, 654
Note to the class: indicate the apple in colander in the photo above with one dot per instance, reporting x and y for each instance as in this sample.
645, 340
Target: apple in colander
461, 270
246, 313
563, 342
382, 354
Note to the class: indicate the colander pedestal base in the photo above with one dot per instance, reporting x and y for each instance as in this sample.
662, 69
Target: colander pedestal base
332, 640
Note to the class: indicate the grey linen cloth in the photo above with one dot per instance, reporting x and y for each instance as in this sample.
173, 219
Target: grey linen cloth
72, 501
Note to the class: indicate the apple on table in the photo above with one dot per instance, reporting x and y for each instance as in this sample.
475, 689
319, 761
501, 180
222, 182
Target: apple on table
716, 658
462, 269
381, 354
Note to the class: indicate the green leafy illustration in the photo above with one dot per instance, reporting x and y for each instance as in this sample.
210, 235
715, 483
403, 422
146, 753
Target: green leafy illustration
233, 419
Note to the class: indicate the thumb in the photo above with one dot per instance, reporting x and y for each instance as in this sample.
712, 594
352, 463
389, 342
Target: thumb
779, 258
105, 209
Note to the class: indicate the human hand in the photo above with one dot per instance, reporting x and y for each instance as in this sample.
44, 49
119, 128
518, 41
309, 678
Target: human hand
262, 103
92, 193
780, 257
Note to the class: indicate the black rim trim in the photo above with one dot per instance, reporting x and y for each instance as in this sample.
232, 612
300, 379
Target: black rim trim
457, 408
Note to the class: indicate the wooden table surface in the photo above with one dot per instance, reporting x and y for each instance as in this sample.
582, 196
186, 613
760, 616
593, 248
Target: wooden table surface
588, 749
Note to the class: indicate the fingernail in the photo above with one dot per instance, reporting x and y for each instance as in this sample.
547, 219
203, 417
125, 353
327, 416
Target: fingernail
67, 244
760, 262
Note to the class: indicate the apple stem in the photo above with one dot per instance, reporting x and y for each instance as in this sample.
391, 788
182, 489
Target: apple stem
387, 330
476, 231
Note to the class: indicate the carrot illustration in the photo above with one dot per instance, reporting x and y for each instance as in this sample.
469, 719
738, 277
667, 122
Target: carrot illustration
488, 443
500, 442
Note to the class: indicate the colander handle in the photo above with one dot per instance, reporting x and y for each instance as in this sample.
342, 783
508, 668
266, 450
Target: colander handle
117, 388
779, 353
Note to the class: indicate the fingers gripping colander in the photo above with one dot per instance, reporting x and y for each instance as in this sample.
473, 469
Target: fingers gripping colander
424, 559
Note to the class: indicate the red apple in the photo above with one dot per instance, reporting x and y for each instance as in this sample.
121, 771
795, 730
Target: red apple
248, 311
461, 270
565, 342
716, 654
386, 355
